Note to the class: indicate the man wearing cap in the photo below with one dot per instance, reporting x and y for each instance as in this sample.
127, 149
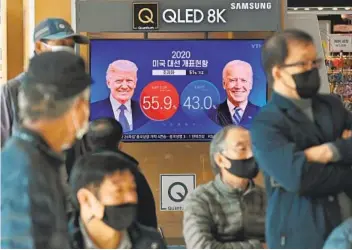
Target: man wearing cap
52, 34
53, 105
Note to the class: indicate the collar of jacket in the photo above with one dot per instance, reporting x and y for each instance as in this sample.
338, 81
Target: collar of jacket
76, 236
226, 189
36, 140
287, 103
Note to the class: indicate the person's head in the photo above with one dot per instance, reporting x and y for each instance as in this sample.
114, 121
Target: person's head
54, 98
291, 64
121, 78
104, 133
237, 77
231, 156
104, 190
55, 34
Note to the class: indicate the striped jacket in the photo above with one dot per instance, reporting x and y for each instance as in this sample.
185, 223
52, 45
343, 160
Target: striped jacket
219, 217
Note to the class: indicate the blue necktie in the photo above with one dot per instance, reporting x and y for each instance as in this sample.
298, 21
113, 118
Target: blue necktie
237, 115
123, 120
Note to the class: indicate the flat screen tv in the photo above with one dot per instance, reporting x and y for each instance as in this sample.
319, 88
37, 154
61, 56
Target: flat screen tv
176, 90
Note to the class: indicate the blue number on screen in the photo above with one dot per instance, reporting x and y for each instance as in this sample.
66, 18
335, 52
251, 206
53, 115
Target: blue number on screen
181, 54
207, 102
194, 102
198, 98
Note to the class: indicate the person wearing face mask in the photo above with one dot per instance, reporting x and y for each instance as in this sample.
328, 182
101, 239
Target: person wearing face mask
53, 105
228, 212
105, 196
52, 34
302, 142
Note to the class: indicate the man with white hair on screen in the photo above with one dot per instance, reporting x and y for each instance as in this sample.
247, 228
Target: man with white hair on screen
121, 79
237, 77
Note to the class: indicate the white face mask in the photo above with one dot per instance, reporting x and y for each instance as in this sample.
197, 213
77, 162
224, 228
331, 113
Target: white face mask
55, 48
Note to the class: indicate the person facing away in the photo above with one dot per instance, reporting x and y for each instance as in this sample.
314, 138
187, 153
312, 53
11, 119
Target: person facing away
104, 191
238, 83
302, 142
228, 212
341, 237
106, 134
121, 79
52, 34
54, 109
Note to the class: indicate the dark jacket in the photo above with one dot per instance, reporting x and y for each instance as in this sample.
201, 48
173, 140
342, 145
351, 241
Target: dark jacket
142, 237
146, 214
32, 201
102, 109
222, 115
341, 237
9, 108
302, 196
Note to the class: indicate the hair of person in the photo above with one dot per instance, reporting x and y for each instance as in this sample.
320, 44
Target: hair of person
104, 133
90, 170
35, 104
217, 145
234, 64
275, 49
121, 65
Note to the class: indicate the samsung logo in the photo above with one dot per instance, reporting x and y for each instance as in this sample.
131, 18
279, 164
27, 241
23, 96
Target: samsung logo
251, 6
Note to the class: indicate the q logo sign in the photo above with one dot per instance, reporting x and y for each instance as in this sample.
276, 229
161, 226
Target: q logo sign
145, 16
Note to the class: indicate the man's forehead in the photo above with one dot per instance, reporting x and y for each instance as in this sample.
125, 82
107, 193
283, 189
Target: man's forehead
240, 70
298, 51
119, 176
120, 73
237, 136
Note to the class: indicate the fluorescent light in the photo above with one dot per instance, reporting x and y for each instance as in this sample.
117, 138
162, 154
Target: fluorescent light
295, 8
320, 8
334, 9
347, 8
306, 8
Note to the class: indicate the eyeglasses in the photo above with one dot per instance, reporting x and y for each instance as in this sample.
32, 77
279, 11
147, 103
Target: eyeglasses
305, 64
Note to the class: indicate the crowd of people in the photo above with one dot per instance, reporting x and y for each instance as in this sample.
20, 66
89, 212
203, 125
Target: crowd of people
66, 183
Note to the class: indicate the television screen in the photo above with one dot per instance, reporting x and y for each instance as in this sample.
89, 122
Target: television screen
176, 90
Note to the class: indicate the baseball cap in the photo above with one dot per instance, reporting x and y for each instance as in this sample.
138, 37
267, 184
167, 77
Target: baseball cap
57, 29
60, 75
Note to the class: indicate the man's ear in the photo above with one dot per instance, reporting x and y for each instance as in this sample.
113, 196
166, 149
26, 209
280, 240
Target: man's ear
218, 160
120, 146
276, 73
83, 197
38, 47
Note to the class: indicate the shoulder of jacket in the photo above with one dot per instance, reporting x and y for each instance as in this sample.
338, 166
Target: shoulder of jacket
202, 193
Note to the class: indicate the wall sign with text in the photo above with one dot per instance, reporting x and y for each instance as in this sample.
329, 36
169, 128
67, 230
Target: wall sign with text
174, 189
178, 16
340, 42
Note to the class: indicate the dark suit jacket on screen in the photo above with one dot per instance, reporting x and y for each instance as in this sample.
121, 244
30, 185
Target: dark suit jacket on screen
102, 109
222, 115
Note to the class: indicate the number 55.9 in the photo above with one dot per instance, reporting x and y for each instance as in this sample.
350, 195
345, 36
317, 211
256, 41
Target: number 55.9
150, 102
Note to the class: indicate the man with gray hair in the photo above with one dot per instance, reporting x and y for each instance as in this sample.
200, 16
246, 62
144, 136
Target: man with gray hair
237, 77
54, 109
228, 212
121, 79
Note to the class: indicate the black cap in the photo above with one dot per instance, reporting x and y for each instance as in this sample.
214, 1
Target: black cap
61, 73
57, 29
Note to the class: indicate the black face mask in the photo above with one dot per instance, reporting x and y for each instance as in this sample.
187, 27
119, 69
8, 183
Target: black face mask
120, 217
307, 83
247, 169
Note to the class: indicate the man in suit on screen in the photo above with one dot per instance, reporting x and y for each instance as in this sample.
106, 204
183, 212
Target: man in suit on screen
236, 109
121, 79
